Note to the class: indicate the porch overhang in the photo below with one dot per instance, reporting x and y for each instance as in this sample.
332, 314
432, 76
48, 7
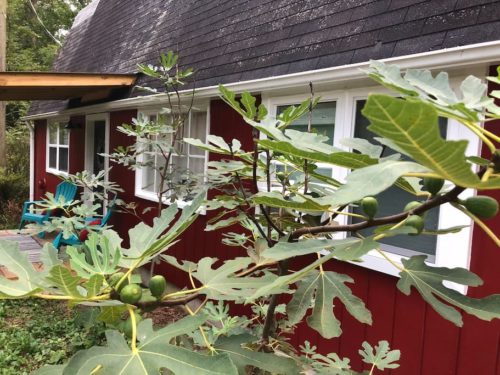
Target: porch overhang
60, 86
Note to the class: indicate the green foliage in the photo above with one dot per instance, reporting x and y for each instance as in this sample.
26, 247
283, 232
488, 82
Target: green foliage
279, 206
404, 121
429, 283
381, 356
28, 340
153, 352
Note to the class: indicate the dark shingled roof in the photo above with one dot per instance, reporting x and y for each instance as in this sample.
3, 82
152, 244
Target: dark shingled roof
237, 40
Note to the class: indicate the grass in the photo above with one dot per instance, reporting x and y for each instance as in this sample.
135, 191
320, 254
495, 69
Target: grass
36, 332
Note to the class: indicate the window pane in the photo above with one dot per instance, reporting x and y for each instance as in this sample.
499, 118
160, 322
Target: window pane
53, 157
393, 200
63, 135
197, 165
323, 119
198, 131
148, 174
63, 159
53, 133
179, 164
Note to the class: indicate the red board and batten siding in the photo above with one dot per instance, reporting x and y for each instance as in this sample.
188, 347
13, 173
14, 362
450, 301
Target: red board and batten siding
44, 181
429, 344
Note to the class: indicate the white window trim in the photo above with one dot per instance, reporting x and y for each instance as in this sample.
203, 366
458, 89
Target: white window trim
139, 192
48, 169
89, 145
452, 250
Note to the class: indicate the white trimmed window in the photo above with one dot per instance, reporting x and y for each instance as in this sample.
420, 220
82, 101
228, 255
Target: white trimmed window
338, 116
57, 148
186, 159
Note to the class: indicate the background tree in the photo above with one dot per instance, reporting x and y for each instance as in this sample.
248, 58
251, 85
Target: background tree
35, 31
30, 42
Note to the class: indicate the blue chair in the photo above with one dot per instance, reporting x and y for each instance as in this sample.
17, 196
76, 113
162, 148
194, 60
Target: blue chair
74, 240
65, 190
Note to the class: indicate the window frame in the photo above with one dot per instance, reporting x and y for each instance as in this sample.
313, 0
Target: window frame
460, 243
61, 123
152, 196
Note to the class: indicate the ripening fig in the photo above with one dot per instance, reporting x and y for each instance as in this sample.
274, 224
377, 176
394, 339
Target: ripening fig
433, 185
126, 327
157, 285
416, 222
131, 294
410, 206
369, 205
481, 206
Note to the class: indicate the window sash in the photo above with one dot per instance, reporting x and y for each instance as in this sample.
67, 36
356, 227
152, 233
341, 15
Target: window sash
187, 159
57, 153
448, 216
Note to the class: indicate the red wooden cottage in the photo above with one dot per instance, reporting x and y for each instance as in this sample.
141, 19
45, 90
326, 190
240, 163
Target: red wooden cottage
274, 49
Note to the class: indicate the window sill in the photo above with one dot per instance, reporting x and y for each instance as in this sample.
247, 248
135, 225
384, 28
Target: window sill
56, 172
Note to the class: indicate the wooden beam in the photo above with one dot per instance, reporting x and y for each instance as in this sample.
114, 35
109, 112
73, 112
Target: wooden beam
31, 79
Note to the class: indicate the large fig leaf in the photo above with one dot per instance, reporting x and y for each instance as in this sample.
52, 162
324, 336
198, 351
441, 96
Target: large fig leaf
413, 126
351, 248
370, 180
104, 250
146, 242
436, 90
242, 357
63, 279
429, 283
305, 150
28, 280
331, 285
300, 203
221, 283
154, 352
381, 356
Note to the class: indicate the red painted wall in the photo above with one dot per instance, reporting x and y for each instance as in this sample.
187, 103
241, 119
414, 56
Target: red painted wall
47, 182
429, 344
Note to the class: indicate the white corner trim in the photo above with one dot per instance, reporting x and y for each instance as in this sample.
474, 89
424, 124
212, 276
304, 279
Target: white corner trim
463, 56
32, 161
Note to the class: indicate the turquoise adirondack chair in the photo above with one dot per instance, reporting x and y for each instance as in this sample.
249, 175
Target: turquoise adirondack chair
75, 240
65, 190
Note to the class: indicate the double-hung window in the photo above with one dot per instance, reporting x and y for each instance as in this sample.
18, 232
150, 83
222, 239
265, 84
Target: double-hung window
338, 116
187, 163
57, 157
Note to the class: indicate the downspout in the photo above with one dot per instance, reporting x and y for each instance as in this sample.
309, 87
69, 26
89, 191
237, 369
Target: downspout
31, 127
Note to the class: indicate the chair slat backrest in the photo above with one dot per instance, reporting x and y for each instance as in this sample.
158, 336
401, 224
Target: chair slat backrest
67, 190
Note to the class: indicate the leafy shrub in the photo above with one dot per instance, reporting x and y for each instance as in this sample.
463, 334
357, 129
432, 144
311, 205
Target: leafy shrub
34, 333
14, 179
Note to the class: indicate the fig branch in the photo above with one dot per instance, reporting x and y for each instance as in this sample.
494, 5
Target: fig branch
449, 197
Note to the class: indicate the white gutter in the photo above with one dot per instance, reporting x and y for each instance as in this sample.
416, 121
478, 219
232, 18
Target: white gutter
464, 56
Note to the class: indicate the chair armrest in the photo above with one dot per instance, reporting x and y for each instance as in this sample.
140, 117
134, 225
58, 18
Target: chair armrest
28, 204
